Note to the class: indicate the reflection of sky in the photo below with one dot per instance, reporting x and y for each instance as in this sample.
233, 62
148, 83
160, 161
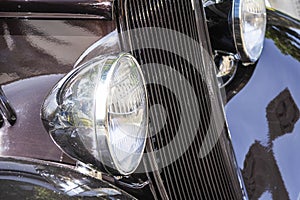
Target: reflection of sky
246, 114
266, 196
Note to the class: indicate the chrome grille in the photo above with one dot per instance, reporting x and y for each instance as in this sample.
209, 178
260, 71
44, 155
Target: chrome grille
189, 177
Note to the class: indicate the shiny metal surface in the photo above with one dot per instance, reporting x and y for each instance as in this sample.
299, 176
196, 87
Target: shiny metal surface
35, 54
1, 120
7, 110
227, 64
175, 123
219, 23
210, 2
30, 15
84, 113
264, 117
35, 8
35, 179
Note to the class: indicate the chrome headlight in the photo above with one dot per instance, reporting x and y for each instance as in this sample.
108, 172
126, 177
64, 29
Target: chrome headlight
98, 113
249, 26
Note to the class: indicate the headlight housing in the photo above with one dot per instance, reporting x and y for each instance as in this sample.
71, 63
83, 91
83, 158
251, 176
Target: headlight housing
249, 26
98, 113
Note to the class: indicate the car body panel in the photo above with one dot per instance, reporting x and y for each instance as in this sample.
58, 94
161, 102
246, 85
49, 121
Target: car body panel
35, 179
264, 117
35, 54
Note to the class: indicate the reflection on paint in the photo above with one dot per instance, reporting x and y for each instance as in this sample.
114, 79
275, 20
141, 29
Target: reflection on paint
261, 172
263, 118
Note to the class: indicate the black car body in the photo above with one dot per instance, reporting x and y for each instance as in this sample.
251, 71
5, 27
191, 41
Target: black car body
42, 40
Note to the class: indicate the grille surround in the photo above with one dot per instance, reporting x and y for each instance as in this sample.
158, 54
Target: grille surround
215, 176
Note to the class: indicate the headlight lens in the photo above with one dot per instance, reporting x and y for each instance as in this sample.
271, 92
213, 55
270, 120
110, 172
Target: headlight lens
98, 113
127, 119
249, 25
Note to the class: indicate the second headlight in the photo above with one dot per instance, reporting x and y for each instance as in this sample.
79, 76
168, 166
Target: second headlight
249, 26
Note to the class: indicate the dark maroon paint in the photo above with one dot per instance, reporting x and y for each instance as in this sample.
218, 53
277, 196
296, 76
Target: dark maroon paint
35, 54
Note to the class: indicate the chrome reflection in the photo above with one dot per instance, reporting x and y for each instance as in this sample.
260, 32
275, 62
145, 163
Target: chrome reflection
284, 31
227, 64
211, 2
98, 113
7, 109
1, 120
75, 185
34, 179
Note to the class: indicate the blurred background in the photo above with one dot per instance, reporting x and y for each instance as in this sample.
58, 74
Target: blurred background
290, 7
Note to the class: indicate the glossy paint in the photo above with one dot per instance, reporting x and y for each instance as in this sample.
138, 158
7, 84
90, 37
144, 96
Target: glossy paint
264, 116
34, 55
220, 27
7, 110
35, 179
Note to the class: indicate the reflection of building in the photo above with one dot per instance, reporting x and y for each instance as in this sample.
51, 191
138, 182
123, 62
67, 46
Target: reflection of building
291, 7
282, 115
261, 172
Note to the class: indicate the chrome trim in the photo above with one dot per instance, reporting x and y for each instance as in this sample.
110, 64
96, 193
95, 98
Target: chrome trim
227, 64
31, 15
57, 177
88, 170
101, 8
236, 27
1, 120
207, 3
7, 109
130, 184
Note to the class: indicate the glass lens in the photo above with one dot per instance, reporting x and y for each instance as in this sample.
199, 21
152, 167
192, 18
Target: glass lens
127, 115
253, 20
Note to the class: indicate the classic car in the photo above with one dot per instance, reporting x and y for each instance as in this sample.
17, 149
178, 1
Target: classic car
148, 99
